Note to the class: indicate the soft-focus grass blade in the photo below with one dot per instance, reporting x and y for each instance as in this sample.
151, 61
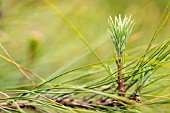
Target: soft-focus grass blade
57, 11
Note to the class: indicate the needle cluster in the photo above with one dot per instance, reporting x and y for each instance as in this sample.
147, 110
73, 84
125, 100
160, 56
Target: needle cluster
120, 30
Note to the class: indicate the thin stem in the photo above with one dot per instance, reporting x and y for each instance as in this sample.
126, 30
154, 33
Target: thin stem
120, 74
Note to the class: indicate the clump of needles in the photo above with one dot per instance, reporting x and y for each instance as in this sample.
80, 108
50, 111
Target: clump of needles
119, 31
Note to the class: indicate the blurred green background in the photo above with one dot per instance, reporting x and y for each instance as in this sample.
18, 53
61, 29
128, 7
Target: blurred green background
37, 38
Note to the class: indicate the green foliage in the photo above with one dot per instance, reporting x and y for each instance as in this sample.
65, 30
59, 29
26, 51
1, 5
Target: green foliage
120, 30
76, 81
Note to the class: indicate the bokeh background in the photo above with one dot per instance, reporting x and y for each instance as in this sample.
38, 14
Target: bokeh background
37, 38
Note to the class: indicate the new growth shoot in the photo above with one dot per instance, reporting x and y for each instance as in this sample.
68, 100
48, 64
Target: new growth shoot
119, 30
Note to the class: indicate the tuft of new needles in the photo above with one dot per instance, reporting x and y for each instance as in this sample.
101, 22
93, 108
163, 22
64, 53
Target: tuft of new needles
119, 30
